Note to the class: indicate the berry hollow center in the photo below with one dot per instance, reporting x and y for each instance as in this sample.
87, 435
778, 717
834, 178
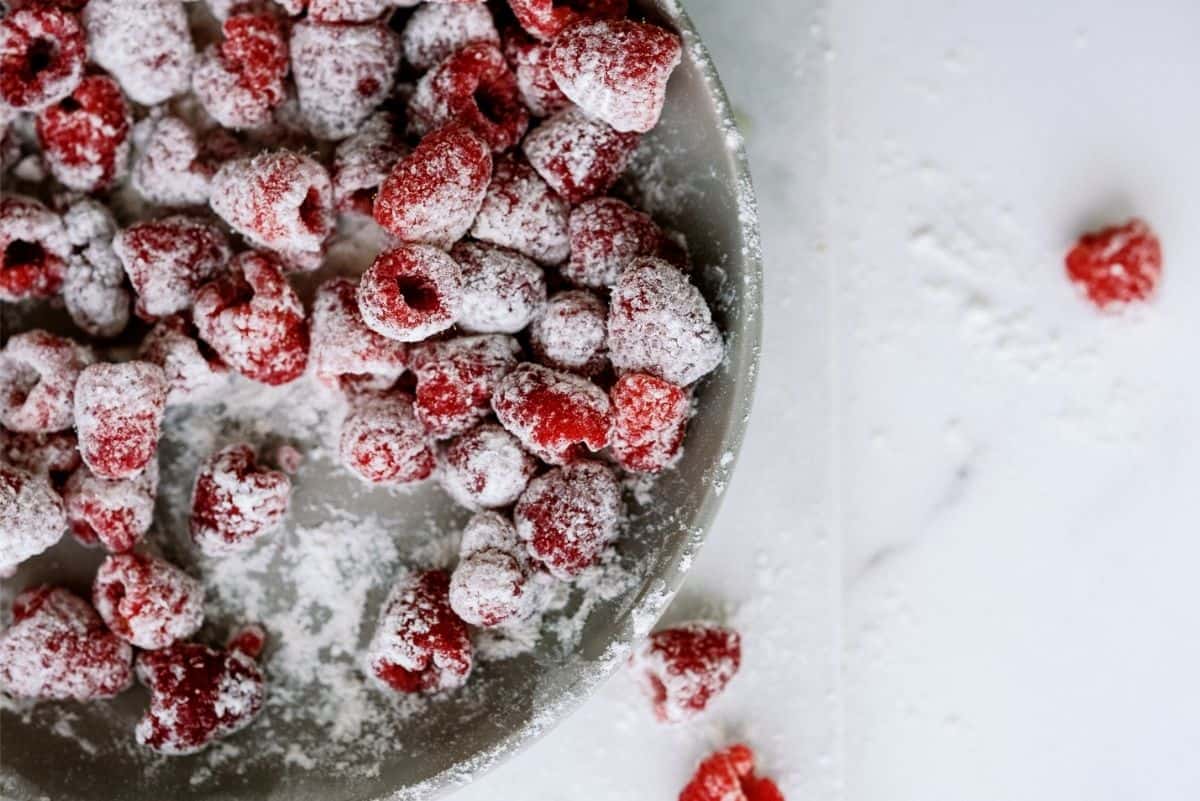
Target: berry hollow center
40, 56
419, 293
20, 253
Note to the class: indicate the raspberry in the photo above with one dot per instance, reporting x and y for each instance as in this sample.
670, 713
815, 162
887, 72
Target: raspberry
473, 86
118, 413
33, 250
342, 345
197, 695
54, 455
456, 378
31, 516
382, 441
1119, 264
235, 502
193, 371
544, 19
488, 588
567, 516
420, 645
144, 44
436, 30
58, 648
42, 51
240, 82
569, 334
577, 156
410, 293
364, 161
485, 468
249, 640
148, 602
172, 169
502, 290
649, 419
85, 136
38, 371
606, 234
682, 669
167, 260
521, 212
342, 73
530, 62
253, 318
434, 194
94, 290
115, 513
659, 323
729, 776
86, 221
554, 414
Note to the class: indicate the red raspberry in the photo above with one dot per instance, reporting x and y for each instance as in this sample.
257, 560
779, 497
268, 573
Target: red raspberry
530, 62
502, 290
85, 136
115, 513
342, 345
172, 168
420, 645
521, 212
235, 502
197, 695
659, 323
489, 586
436, 30
473, 86
118, 413
342, 73
579, 157
42, 51
485, 468
167, 260
249, 640
364, 161
38, 371
410, 293
383, 442
145, 44
554, 414
240, 82
544, 19
1120, 264
567, 516
33, 250
729, 776
253, 318
58, 648
194, 372
569, 334
31, 516
434, 194
649, 419
682, 669
606, 234
148, 602
55, 455
456, 378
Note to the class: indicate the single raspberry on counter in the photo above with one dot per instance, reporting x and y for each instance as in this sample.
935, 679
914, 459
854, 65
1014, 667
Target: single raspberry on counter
197, 695
410, 293
167, 260
171, 167
148, 602
243, 79
420, 645
55, 455
1116, 265
659, 323
38, 371
649, 420
502, 290
485, 468
343, 345
437, 30
194, 372
544, 19
363, 161
42, 52
85, 136
606, 234
33, 249
118, 414
570, 333
577, 156
682, 669
382, 441
728, 775
58, 648
456, 379
566, 517
557, 416
235, 502
521, 212
489, 587
530, 62
31, 516
115, 513
145, 44
433, 194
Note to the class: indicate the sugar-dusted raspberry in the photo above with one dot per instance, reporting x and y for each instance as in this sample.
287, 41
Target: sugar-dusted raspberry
606, 234
473, 86
55, 454
114, 513
433, 194
144, 44
33, 249
250, 640
578, 156
363, 161
489, 586
556, 415
194, 372
649, 420
502, 290
94, 290
343, 345
148, 602
342, 73
456, 379
242, 80
567, 516
682, 669
410, 293
382, 441
87, 220
521, 212
38, 371
420, 645
235, 502
659, 323
42, 51
118, 413
1115, 265
31, 516
485, 468
280, 200
436, 30
570, 333
171, 168
58, 648
85, 136
530, 62
167, 260
728, 775
544, 19
253, 319
197, 695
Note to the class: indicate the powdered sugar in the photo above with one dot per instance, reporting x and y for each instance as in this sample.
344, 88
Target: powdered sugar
435, 30
31, 515
502, 290
485, 467
146, 601
521, 212
145, 44
570, 332
114, 513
